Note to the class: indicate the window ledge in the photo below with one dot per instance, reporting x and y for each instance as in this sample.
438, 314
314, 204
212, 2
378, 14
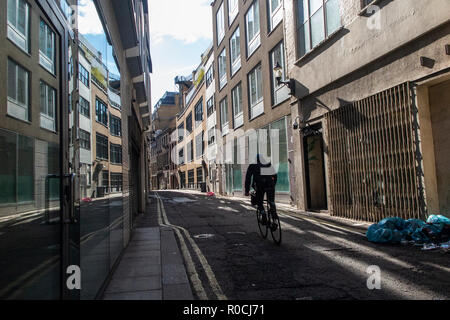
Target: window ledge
17, 118
317, 47
364, 10
280, 103
256, 117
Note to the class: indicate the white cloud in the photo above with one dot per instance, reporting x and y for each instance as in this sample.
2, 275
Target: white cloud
88, 20
185, 20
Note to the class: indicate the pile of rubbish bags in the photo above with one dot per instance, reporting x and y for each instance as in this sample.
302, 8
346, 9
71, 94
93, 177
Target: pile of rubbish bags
435, 233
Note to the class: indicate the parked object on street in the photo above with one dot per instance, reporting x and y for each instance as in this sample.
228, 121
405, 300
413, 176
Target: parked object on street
210, 194
397, 230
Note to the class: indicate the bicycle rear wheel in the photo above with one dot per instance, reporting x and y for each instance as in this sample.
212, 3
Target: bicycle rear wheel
275, 227
263, 229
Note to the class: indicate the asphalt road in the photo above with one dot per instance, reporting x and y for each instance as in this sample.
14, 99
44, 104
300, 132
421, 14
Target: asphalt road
226, 258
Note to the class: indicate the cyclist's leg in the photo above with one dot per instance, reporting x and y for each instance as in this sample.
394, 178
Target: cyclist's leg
260, 203
271, 201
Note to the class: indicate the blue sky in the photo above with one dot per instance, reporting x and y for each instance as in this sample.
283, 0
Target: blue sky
180, 31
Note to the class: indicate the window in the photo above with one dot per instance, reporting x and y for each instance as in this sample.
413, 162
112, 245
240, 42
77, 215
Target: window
102, 147
66, 9
48, 106
316, 20
211, 136
253, 28
46, 47
181, 156
199, 113
17, 176
18, 23
116, 126
181, 132
84, 75
365, 3
199, 172
210, 107
279, 92
116, 153
101, 112
116, 182
255, 92
189, 123
209, 76
220, 24
222, 69
105, 180
85, 107
199, 145
236, 167
224, 116
235, 51
236, 99
233, 10
191, 181
18, 91
85, 139
275, 13
190, 147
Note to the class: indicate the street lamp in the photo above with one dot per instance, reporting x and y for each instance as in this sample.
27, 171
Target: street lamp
278, 71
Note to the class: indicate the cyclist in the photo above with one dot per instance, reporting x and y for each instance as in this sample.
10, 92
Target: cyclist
264, 181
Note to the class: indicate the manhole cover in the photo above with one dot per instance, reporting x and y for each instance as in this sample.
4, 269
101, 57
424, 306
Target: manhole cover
204, 236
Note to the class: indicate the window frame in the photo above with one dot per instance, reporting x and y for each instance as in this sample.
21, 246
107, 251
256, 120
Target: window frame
44, 114
13, 102
307, 21
46, 62
232, 11
85, 139
275, 88
210, 107
198, 112
112, 126
259, 103
115, 150
255, 42
224, 115
273, 14
210, 75
236, 63
104, 111
84, 75
222, 77
189, 121
13, 31
201, 134
103, 144
238, 118
86, 105
220, 36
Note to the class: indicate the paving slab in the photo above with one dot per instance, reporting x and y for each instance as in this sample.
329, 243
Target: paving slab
141, 295
134, 284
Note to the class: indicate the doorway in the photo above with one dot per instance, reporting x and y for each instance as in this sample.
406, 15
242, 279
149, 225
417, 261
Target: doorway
315, 168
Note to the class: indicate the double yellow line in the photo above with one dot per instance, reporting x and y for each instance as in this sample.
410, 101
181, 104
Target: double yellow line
193, 275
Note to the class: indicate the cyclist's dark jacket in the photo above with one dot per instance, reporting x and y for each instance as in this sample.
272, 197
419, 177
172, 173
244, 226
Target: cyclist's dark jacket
261, 182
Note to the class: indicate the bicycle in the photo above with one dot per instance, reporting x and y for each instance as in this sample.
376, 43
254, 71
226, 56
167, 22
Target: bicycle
273, 221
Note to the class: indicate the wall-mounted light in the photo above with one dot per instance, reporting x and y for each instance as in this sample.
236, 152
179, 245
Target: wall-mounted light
278, 71
295, 125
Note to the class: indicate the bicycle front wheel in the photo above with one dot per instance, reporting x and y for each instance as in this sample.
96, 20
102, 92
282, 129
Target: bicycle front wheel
275, 228
263, 229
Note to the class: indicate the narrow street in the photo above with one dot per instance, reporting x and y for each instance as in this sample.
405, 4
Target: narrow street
226, 258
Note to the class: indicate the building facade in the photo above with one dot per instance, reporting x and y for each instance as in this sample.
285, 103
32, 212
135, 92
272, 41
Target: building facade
372, 80
191, 126
52, 217
248, 44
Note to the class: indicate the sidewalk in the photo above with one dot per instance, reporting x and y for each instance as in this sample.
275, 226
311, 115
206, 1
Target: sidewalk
151, 268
